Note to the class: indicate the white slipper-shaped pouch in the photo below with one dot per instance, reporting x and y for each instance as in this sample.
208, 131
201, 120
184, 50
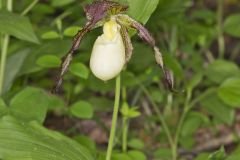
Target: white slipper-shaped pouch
108, 54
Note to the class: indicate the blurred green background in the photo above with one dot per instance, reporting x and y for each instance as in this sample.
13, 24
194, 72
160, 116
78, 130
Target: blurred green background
200, 43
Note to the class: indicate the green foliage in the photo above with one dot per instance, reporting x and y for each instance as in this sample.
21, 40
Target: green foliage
48, 61
24, 106
3, 108
86, 141
210, 103
229, 92
218, 155
137, 155
163, 154
50, 35
193, 121
61, 3
120, 156
129, 112
13, 67
32, 141
231, 25
47, 48
206, 92
234, 155
196, 80
17, 26
82, 109
202, 156
220, 70
136, 143
143, 14
71, 31
80, 70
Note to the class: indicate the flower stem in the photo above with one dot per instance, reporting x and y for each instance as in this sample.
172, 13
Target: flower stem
9, 5
31, 5
181, 121
114, 118
125, 122
124, 134
1, 4
221, 45
4, 50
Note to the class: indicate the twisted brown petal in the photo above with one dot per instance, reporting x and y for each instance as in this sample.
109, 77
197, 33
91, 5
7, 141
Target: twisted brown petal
127, 42
145, 35
68, 58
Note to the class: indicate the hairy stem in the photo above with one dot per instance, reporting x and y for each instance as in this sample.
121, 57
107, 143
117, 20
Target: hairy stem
221, 43
4, 50
114, 118
29, 7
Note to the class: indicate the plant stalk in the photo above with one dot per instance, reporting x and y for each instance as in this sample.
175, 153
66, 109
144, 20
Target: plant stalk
29, 7
221, 43
124, 134
125, 122
114, 118
9, 5
186, 109
1, 4
4, 50
160, 116
202, 96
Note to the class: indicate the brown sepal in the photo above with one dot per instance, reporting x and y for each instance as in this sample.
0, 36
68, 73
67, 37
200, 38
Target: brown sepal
127, 43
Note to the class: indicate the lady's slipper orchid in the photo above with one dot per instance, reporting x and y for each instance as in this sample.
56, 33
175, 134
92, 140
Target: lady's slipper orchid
108, 54
113, 48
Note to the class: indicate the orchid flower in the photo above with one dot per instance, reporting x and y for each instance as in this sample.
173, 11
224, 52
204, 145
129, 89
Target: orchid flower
113, 49
108, 55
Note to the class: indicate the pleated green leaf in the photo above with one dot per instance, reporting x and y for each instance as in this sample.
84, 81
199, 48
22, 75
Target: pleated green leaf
229, 92
17, 26
141, 10
31, 141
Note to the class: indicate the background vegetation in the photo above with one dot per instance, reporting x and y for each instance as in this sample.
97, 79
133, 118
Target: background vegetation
200, 44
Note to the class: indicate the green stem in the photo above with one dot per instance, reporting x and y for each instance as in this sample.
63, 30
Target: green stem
114, 118
160, 116
1, 4
124, 134
9, 5
221, 43
124, 122
180, 124
201, 97
124, 94
4, 51
31, 5
187, 107
173, 40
